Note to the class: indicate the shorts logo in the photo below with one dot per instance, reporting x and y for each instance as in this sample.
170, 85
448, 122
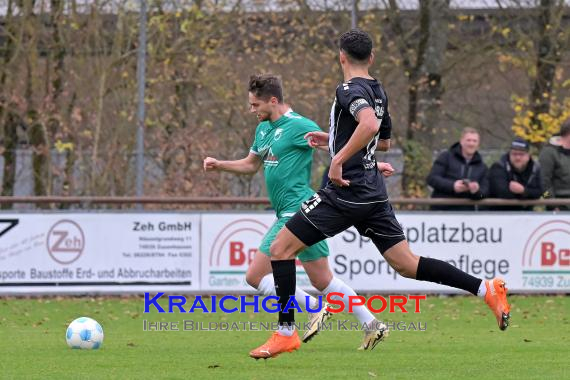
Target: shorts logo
311, 203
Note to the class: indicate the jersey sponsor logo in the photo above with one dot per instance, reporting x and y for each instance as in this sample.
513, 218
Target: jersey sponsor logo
263, 151
369, 165
271, 159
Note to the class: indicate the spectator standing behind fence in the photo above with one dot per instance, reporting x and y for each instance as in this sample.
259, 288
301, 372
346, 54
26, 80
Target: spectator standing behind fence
459, 172
555, 164
515, 176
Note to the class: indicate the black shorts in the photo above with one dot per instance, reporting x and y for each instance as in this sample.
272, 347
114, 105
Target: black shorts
325, 215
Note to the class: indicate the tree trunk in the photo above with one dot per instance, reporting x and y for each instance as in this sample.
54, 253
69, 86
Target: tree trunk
423, 65
10, 143
10, 125
38, 142
548, 56
430, 88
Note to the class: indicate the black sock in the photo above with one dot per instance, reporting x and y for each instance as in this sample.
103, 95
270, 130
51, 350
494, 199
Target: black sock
440, 272
285, 283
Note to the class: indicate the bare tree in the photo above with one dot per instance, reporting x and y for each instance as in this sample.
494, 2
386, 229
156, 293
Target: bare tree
548, 55
422, 51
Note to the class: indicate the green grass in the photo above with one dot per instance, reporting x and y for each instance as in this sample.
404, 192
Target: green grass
461, 341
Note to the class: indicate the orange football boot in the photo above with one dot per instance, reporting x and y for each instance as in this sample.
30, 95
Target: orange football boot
276, 345
496, 299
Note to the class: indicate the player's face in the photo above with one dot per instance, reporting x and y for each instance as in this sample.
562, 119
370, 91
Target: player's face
519, 159
469, 143
261, 108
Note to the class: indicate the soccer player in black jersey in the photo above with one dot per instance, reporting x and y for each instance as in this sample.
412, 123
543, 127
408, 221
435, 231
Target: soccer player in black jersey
356, 196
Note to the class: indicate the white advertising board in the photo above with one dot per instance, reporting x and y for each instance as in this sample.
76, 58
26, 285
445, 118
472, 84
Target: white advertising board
530, 251
210, 252
229, 243
98, 251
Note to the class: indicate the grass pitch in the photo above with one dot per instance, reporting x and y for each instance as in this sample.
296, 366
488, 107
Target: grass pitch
461, 341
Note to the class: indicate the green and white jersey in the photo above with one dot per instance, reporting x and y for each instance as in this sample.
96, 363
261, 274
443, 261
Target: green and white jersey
287, 159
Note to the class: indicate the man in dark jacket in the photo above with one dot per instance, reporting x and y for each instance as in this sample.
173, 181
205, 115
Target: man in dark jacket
555, 164
515, 176
459, 172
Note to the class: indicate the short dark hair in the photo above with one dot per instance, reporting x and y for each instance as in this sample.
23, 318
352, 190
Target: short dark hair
357, 44
265, 86
565, 128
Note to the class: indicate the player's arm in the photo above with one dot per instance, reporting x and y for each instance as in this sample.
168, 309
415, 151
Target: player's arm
317, 139
383, 145
385, 133
248, 165
365, 131
385, 168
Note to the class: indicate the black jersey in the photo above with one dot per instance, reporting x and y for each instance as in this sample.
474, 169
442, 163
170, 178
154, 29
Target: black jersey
366, 182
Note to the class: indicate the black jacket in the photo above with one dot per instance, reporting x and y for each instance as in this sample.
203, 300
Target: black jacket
502, 172
555, 165
451, 166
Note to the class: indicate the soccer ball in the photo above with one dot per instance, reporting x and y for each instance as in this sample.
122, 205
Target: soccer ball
84, 333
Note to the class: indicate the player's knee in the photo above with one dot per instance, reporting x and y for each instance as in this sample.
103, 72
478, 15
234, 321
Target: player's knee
402, 268
319, 284
279, 251
322, 281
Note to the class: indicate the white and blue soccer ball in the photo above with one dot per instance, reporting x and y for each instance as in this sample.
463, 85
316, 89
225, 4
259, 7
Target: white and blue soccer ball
84, 333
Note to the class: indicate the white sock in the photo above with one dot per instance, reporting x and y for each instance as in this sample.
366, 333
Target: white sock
361, 312
286, 330
482, 289
267, 288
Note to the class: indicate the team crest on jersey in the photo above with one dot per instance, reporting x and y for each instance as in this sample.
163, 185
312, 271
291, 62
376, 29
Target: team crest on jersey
278, 134
379, 111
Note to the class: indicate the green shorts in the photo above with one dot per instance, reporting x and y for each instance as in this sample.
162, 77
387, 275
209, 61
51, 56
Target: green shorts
314, 252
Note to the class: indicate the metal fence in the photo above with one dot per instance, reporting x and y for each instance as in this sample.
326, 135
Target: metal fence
85, 202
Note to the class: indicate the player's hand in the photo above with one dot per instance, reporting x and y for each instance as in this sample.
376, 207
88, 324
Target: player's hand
335, 174
316, 139
459, 186
210, 164
473, 187
515, 187
385, 168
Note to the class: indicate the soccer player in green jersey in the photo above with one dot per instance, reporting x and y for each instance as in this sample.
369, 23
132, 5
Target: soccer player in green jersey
279, 146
